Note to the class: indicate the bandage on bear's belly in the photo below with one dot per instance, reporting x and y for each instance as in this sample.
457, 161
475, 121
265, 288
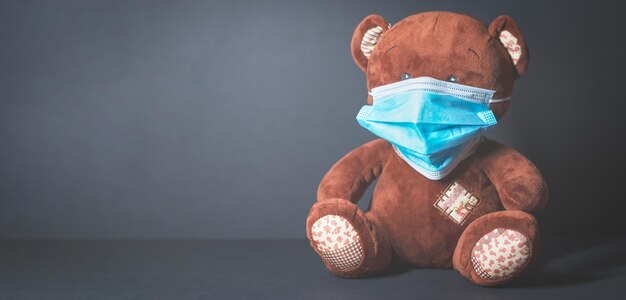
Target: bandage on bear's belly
457, 202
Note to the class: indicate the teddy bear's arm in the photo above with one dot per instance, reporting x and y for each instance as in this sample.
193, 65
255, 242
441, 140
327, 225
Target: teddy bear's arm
518, 181
351, 175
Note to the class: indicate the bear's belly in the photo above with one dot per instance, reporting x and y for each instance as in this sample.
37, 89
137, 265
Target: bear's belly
424, 218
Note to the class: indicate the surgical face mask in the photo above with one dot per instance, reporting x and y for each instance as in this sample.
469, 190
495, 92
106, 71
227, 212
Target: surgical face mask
432, 124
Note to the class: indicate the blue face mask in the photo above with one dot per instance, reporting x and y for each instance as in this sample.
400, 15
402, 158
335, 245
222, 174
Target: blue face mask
432, 124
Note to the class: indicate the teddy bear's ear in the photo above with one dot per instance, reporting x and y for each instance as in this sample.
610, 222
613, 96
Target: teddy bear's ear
506, 31
365, 38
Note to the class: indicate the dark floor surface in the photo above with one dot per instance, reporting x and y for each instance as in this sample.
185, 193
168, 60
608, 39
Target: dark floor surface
569, 268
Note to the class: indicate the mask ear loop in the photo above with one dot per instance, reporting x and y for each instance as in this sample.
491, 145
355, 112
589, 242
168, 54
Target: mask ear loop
500, 100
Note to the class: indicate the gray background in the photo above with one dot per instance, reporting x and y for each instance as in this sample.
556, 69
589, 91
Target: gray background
217, 119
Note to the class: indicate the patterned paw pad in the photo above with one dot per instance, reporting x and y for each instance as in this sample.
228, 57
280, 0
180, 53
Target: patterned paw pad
500, 253
338, 242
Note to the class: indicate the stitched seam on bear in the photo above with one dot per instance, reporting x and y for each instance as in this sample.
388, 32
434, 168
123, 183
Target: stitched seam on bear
376, 165
345, 258
518, 204
480, 270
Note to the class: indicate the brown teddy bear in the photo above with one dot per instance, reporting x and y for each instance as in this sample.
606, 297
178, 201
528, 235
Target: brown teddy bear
446, 196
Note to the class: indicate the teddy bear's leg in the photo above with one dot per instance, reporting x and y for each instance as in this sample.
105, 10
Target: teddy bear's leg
349, 244
497, 247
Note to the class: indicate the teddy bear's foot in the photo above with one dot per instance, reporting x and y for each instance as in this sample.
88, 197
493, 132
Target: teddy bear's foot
349, 244
497, 247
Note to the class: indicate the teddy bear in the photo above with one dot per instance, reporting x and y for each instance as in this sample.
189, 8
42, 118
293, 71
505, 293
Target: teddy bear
446, 196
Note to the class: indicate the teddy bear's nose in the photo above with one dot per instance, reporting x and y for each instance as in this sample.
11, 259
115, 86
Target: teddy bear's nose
405, 76
453, 78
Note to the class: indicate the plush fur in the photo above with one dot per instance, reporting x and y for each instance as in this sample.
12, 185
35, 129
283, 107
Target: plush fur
402, 222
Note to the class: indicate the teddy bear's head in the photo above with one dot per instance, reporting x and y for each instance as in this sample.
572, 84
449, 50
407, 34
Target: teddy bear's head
445, 46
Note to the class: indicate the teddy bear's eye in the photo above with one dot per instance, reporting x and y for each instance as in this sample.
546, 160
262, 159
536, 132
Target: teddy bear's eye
405, 76
453, 78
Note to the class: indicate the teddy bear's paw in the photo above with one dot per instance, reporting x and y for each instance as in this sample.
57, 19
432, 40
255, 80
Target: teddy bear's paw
501, 253
337, 241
